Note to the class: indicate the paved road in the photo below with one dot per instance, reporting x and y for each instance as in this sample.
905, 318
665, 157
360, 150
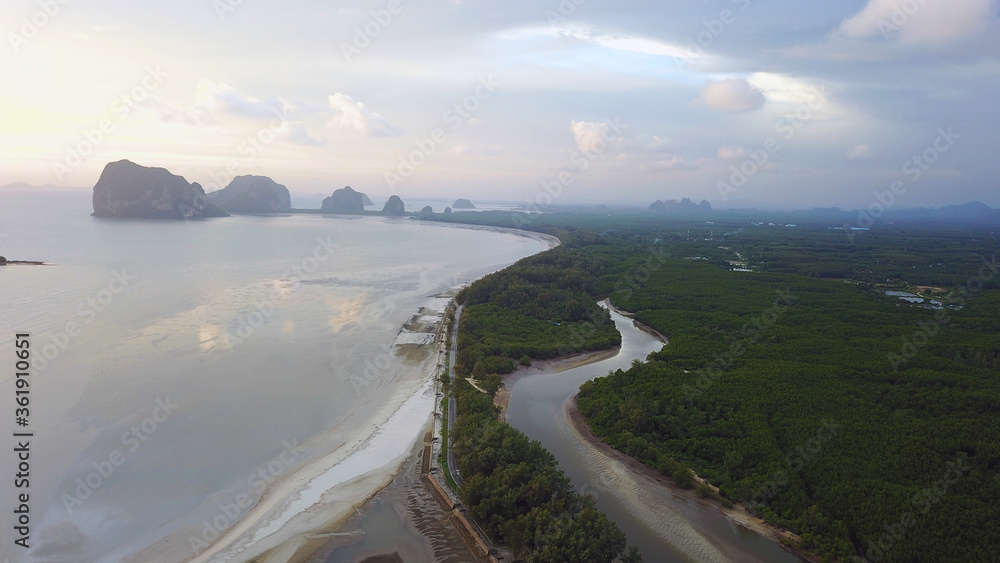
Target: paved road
452, 460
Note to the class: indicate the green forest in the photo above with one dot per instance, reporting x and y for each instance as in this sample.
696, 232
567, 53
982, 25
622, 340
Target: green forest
867, 425
514, 490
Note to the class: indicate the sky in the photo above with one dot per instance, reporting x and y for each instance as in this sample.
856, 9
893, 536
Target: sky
766, 103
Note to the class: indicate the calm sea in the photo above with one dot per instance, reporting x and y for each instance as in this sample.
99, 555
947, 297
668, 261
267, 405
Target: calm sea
176, 360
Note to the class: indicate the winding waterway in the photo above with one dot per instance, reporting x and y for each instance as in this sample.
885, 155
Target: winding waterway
664, 527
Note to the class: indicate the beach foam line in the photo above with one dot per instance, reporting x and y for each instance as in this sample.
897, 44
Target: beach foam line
376, 458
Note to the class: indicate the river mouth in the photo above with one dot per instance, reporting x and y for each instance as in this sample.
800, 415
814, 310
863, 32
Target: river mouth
662, 525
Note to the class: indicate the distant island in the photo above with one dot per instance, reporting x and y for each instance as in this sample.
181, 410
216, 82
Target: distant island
344, 200
126, 189
394, 207
5, 262
253, 194
365, 200
463, 204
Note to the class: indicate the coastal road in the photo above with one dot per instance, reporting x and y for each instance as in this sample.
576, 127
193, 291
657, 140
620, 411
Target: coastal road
452, 407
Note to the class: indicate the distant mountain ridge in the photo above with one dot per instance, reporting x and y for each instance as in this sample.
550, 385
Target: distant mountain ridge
24, 186
683, 206
973, 212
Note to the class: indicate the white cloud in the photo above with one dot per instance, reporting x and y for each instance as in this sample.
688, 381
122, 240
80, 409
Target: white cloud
594, 136
732, 95
732, 153
860, 152
460, 149
791, 95
617, 42
354, 116
168, 113
919, 22
671, 162
662, 163
652, 143
640, 45
220, 96
298, 135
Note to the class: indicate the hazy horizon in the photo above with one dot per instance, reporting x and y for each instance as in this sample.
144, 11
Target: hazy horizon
303, 199
567, 101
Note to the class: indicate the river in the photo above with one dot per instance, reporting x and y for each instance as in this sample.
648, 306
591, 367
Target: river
664, 527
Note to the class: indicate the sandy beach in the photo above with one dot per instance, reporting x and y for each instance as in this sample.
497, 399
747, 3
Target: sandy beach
296, 514
325, 492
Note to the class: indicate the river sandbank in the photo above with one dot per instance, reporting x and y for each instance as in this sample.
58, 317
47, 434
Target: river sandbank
737, 514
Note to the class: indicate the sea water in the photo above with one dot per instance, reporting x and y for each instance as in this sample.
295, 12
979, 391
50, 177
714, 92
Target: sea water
182, 368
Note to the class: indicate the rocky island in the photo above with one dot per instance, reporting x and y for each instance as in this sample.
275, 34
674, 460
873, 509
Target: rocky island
463, 204
345, 200
394, 207
5, 262
127, 189
253, 194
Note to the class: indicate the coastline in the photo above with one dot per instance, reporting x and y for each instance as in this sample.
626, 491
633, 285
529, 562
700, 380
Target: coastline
298, 514
310, 508
549, 241
363, 488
